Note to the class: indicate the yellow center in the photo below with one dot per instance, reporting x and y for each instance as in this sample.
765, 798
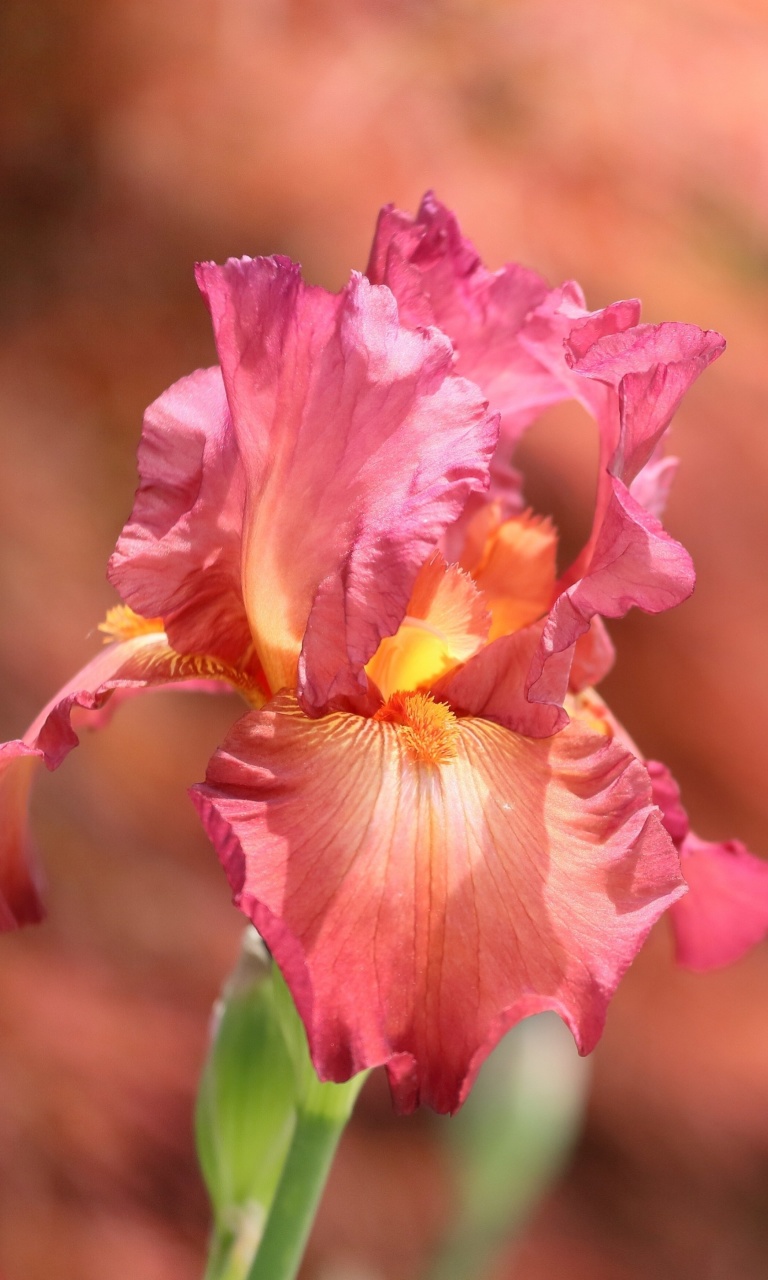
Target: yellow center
428, 729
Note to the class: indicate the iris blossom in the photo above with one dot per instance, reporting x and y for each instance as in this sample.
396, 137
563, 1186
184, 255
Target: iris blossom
431, 818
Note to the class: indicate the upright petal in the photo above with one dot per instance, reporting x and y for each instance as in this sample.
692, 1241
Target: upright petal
141, 662
528, 347
179, 556
418, 909
438, 277
360, 446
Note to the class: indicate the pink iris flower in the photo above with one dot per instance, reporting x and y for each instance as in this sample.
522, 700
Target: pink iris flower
431, 818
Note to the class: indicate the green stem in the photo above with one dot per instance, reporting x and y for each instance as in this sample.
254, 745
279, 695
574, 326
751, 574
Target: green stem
297, 1197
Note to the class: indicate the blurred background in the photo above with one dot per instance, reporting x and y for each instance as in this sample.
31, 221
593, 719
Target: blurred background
624, 145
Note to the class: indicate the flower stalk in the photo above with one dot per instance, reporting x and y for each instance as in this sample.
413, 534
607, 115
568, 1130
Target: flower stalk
267, 1128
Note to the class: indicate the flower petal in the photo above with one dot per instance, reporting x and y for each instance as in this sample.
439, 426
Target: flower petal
418, 910
516, 572
360, 446
446, 623
512, 336
179, 555
121, 669
20, 877
725, 912
437, 277
508, 326
494, 684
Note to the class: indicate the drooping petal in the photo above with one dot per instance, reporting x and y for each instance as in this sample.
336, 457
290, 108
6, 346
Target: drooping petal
360, 446
179, 555
650, 368
127, 667
725, 912
20, 877
419, 909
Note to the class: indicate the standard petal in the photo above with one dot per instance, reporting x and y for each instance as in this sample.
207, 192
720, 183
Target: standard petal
141, 662
179, 556
418, 909
438, 277
360, 446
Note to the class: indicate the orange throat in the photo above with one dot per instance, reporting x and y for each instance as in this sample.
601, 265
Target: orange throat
428, 729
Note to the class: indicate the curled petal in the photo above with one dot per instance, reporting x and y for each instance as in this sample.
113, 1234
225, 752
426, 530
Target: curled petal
527, 347
179, 555
593, 656
142, 662
418, 909
437, 277
360, 446
650, 367
634, 562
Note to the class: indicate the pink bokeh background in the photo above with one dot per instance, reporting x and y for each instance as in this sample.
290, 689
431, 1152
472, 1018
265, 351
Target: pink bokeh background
624, 145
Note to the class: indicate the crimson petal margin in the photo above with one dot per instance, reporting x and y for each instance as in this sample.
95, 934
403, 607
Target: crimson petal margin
418, 911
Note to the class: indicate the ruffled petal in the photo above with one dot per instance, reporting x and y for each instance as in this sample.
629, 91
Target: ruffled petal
360, 446
179, 556
141, 662
725, 912
418, 910
634, 563
437, 277
527, 347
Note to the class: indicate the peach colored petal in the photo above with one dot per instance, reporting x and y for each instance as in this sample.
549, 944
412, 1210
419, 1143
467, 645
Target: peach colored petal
360, 446
517, 572
446, 623
418, 910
